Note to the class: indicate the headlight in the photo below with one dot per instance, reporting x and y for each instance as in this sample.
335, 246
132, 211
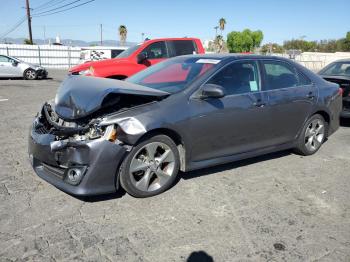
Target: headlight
110, 133
131, 126
89, 71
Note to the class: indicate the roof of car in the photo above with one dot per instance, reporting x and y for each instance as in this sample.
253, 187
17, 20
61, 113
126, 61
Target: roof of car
345, 60
234, 56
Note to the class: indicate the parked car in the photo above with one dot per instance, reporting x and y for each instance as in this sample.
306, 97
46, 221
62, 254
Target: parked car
139, 57
339, 72
13, 67
186, 113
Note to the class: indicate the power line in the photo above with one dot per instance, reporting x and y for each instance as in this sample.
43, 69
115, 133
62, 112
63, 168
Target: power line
18, 24
49, 4
58, 7
60, 11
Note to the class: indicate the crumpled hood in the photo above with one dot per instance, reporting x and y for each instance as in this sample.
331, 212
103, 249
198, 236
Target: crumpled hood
79, 96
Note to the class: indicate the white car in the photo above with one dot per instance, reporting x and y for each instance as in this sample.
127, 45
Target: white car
13, 67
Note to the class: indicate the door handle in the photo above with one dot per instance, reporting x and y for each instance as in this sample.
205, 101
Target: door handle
310, 95
259, 103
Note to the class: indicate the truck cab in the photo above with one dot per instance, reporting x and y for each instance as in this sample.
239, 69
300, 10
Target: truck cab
139, 57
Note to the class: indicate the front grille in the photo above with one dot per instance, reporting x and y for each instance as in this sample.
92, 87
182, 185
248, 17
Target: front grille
56, 171
41, 130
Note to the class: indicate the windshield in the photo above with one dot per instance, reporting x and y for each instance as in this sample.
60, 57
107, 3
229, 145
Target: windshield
173, 75
338, 69
128, 52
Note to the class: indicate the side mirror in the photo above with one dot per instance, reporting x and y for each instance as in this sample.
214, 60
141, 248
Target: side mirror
141, 57
212, 91
14, 63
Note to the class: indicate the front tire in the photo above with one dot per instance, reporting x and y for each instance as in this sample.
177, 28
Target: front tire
30, 74
312, 136
151, 167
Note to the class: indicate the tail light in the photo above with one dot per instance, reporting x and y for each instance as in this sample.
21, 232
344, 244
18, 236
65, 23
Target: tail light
340, 91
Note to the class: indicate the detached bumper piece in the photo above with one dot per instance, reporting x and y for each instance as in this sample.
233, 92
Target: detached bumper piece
77, 167
41, 73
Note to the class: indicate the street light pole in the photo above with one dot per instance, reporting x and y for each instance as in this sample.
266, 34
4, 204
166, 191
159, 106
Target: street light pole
29, 22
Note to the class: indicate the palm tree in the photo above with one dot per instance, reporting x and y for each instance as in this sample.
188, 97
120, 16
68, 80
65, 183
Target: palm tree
222, 23
122, 34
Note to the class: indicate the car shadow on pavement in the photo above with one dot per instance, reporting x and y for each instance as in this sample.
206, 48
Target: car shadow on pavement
233, 165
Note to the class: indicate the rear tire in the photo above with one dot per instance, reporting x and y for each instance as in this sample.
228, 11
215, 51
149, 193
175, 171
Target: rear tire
312, 135
151, 167
30, 74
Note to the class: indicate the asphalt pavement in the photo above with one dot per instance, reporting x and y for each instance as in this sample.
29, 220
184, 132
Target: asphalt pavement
278, 207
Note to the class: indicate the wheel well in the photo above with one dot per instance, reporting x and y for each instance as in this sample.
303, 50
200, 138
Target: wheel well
118, 77
325, 115
175, 137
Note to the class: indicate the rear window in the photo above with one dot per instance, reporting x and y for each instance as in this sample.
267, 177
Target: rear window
183, 47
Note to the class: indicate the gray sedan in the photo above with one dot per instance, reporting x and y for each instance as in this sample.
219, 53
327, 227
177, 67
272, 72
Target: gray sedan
186, 113
13, 67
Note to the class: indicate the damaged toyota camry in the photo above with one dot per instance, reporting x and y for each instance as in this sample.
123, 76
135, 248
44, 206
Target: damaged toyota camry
183, 114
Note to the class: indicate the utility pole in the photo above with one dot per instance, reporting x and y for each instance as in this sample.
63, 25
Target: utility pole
101, 34
142, 36
29, 22
216, 31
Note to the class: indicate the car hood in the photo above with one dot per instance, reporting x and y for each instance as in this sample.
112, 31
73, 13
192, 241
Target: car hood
80, 96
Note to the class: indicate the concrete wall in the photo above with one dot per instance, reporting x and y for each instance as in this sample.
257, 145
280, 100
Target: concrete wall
316, 61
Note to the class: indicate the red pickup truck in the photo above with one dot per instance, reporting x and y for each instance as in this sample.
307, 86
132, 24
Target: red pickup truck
139, 57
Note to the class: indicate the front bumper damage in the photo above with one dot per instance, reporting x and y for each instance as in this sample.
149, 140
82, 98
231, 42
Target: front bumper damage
94, 163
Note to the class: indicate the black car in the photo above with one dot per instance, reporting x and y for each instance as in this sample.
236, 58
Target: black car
339, 72
186, 113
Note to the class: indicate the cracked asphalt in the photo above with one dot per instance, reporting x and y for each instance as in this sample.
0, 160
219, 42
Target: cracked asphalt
279, 207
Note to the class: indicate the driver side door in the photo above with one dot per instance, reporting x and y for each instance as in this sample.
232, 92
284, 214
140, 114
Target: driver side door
234, 123
8, 68
155, 52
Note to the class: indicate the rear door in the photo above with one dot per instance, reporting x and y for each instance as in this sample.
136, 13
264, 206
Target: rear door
291, 97
182, 47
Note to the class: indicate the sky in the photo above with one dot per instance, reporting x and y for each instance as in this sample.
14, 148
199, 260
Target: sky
279, 20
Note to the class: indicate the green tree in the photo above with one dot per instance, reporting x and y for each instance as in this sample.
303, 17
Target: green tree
26, 41
122, 34
245, 41
273, 48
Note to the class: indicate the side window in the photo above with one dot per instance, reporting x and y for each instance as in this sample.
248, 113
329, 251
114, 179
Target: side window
281, 75
303, 80
238, 78
156, 50
3, 59
183, 47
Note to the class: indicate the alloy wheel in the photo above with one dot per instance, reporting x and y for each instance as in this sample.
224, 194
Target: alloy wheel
314, 135
30, 74
152, 166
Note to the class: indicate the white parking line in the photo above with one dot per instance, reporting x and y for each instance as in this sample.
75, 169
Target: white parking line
3, 99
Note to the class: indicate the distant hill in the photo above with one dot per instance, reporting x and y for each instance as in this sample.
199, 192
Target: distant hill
70, 42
